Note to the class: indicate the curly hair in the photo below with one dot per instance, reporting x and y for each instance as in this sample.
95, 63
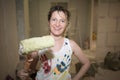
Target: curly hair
58, 8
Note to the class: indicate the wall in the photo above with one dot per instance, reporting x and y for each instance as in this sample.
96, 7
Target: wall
22, 13
108, 35
8, 38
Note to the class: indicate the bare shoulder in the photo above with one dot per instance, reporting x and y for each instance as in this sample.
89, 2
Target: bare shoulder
78, 52
72, 42
74, 45
76, 49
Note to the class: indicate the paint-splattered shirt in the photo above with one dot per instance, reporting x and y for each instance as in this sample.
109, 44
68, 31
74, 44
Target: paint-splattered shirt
57, 68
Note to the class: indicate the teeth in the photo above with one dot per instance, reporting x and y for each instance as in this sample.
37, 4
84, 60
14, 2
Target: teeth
57, 28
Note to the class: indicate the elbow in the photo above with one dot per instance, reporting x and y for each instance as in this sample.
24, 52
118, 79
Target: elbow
87, 64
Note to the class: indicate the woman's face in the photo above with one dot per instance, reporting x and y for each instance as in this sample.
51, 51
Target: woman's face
58, 23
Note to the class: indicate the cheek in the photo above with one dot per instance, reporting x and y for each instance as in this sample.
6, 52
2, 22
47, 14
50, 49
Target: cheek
51, 24
51, 28
64, 26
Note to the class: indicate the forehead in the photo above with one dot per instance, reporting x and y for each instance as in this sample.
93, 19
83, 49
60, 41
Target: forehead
59, 13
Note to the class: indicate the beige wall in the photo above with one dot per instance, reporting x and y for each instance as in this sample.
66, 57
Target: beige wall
108, 38
8, 38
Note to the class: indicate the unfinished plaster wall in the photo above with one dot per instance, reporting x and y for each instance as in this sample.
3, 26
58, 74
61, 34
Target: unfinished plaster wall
108, 35
8, 38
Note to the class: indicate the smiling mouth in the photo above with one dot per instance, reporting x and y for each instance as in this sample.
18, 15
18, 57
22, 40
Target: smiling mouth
57, 29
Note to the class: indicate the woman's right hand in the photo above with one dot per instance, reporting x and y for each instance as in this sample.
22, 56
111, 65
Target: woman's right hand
31, 61
23, 74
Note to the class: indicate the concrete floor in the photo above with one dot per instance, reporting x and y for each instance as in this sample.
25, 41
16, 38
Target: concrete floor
105, 74
101, 73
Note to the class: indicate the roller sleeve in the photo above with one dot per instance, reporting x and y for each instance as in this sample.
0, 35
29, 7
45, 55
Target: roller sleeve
35, 43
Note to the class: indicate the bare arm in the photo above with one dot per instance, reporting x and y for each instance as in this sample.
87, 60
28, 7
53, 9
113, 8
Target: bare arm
82, 58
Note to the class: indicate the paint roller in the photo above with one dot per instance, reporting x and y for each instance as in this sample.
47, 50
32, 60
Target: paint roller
36, 43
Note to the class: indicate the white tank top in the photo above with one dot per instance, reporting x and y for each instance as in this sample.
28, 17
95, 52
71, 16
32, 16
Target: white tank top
56, 68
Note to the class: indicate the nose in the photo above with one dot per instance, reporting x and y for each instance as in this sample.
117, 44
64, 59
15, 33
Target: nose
58, 23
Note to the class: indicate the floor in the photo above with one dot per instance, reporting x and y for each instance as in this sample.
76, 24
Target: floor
104, 74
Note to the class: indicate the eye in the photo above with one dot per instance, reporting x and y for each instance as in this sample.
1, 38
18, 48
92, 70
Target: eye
63, 21
53, 19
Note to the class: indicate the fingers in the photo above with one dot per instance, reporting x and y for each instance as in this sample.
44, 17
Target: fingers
31, 56
34, 54
22, 74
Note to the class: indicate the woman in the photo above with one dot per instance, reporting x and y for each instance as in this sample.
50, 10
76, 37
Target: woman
57, 68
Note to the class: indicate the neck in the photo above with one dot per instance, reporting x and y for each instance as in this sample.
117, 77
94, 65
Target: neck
57, 38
